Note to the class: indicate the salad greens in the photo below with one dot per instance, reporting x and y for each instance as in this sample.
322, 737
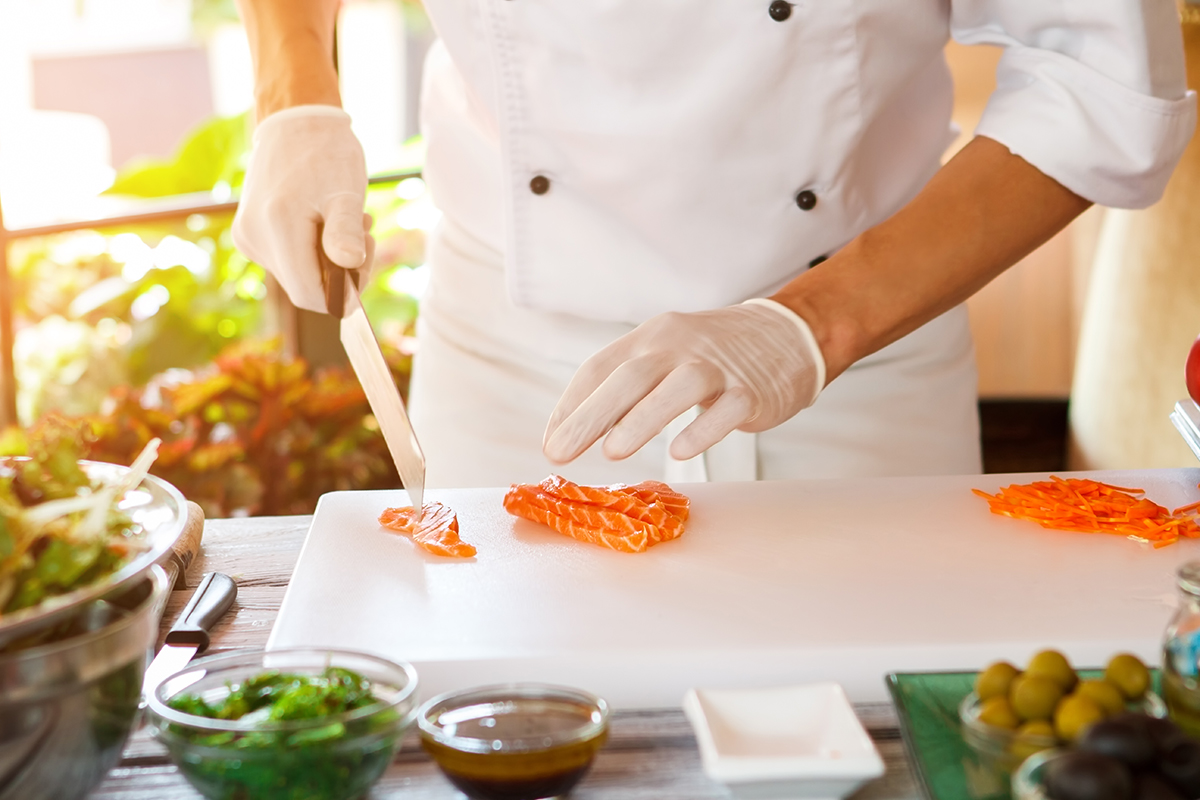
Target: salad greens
59, 531
282, 761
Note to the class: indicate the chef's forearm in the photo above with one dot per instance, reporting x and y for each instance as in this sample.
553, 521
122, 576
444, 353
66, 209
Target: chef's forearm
291, 42
980, 214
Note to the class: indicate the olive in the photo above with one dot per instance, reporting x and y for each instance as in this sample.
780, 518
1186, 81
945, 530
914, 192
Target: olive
1105, 694
1181, 766
1053, 665
1151, 786
1163, 732
1077, 775
1034, 696
1127, 672
1032, 737
995, 680
998, 712
1124, 739
1074, 715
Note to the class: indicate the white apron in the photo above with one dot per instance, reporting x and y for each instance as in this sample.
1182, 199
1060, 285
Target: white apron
487, 375
601, 162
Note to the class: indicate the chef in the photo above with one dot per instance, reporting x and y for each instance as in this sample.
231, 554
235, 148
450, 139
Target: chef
713, 239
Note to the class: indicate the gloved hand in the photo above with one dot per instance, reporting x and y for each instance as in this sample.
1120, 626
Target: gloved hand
306, 167
752, 366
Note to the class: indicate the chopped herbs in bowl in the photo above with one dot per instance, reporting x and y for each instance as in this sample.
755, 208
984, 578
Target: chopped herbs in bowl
290, 724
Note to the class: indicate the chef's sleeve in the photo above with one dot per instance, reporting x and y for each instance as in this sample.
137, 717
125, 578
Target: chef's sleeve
1091, 92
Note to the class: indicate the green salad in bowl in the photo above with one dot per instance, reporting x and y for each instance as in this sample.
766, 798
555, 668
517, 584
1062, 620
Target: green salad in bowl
73, 530
289, 724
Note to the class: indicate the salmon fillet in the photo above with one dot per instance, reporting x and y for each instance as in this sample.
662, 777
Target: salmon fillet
629, 519
437, 531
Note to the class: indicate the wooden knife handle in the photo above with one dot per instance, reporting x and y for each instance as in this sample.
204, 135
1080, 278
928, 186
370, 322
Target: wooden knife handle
188, 545
333, 279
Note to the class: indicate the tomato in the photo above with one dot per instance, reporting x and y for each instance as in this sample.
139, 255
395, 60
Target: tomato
1192, 371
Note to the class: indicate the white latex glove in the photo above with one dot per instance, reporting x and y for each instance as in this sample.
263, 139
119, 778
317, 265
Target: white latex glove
306, 167
752, 366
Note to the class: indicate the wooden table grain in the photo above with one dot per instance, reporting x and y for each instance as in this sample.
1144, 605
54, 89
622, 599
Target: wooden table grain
651, 753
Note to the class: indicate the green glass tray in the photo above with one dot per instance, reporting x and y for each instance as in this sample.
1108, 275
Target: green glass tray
946, 768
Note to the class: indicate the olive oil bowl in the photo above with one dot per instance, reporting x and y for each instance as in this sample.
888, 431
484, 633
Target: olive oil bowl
525, 741
284, 724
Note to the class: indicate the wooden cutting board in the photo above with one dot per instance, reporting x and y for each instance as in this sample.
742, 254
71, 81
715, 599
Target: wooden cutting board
772, 583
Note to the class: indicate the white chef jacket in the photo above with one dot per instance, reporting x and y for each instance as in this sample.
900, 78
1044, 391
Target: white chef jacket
695, 153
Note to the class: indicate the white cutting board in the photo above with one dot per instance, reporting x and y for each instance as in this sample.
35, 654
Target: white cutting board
772, 583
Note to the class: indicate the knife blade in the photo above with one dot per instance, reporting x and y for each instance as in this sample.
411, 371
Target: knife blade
189, 635
343, 300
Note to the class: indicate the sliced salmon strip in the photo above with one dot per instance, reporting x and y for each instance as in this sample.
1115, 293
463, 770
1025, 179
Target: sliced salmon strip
617, 498
527, 502
625, 518
437, 530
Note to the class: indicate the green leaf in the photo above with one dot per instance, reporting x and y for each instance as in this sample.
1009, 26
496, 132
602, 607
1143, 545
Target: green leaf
214, 153
62, 562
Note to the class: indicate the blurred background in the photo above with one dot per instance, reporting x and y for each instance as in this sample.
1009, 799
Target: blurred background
125, 310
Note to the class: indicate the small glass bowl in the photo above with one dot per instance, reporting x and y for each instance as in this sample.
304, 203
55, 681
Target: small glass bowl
1027, 780
1002, 750
524, 741
335, 757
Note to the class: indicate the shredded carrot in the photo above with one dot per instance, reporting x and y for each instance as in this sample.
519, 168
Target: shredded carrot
1087, 506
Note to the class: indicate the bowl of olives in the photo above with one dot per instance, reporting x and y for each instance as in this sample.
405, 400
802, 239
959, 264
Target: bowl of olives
1013, 713
1129, 756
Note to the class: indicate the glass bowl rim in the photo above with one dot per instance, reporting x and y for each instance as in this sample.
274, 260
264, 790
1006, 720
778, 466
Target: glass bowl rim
215, 664
497, 692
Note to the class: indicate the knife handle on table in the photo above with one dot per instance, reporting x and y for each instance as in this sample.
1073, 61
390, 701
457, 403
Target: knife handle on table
212, 598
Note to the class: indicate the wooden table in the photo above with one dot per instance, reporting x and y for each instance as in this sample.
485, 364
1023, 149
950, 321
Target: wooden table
650, 753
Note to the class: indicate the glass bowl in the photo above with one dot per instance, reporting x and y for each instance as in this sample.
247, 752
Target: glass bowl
334, 757
1027, 780
1002, 750
521, 741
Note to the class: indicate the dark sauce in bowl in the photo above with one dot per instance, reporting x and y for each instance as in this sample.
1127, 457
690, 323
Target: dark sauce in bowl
515, 742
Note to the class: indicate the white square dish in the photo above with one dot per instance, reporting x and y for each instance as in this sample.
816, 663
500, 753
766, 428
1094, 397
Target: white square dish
785, 743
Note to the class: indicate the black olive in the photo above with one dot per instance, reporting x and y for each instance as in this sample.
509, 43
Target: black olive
1181, 766
1125, 738
1165, 733
1079, 775
1152, 786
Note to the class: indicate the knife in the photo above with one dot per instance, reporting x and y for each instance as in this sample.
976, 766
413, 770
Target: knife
344, 302
189, 635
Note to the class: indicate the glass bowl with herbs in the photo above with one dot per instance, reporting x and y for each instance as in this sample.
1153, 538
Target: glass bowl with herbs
284, 724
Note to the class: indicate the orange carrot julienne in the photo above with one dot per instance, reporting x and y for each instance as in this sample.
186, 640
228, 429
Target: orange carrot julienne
1088, 506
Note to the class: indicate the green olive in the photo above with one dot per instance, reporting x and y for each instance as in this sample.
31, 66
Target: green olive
995, 680
1105, 694
1032, 737
1127, 672
997, 711
1053, 665
1034, 697
1075, 714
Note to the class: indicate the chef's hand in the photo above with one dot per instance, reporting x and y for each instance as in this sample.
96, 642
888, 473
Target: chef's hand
306, 167
752, 366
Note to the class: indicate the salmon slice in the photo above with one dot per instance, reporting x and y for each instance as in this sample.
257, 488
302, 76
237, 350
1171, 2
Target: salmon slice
625, 518
437, 530
616, 498
580, 522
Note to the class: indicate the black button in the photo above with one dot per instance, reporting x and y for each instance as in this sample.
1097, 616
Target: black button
806, 200
540, 184
817, 260
780, 10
